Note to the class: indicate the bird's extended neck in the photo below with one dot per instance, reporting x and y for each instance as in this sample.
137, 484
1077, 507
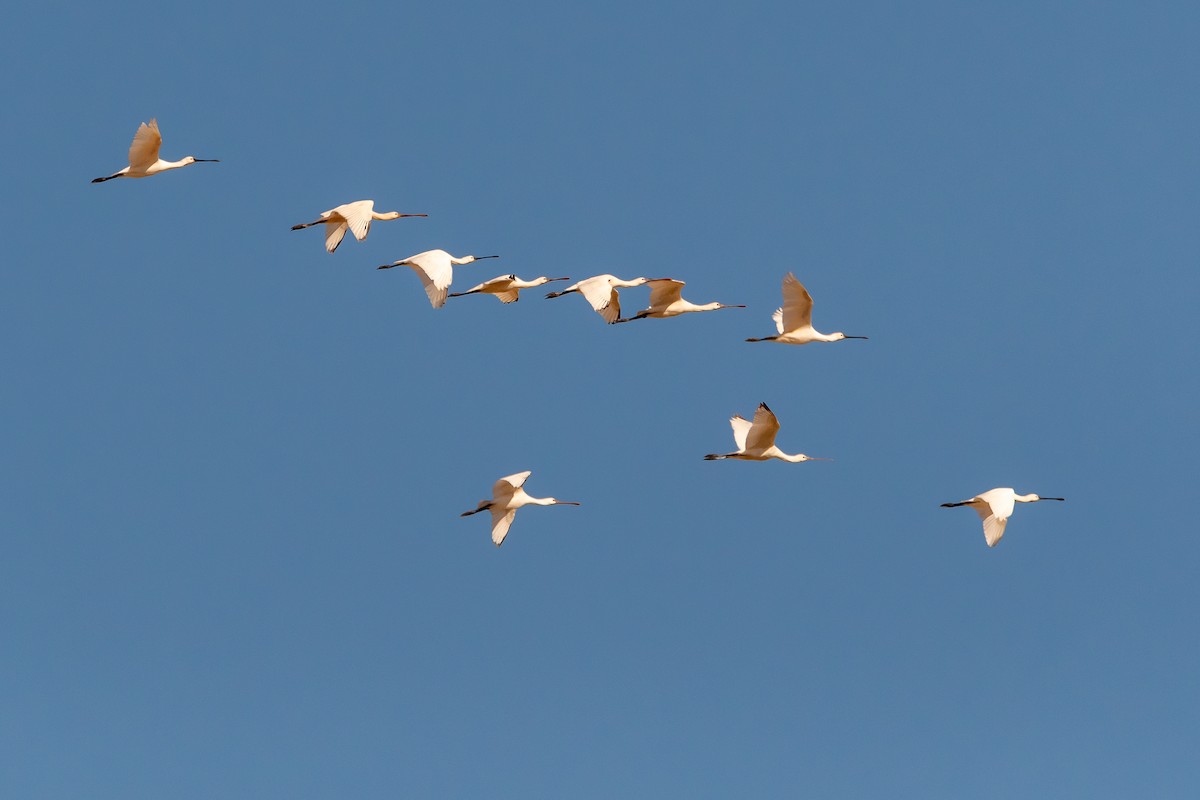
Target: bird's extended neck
796, 459
393, 215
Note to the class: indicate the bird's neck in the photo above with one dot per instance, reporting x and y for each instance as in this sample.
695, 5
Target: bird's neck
795, 459
1026, 498
385, 215
463, 260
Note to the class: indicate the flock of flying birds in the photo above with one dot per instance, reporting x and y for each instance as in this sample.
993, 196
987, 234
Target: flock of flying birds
755, 439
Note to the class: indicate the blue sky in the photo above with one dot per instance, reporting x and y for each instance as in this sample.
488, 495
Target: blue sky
233, 562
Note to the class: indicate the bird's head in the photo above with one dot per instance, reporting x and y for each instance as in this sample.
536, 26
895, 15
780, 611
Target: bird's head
469, 259
194, 160
837, 337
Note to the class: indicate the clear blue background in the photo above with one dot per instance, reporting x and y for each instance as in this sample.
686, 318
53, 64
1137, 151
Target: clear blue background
232, 562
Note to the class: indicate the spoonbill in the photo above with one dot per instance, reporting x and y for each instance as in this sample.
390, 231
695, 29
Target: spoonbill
994, 507
356, 216
601, 292
756, 440
143, 156
794, 320
436, 271
665, 301
507, 496
506, 288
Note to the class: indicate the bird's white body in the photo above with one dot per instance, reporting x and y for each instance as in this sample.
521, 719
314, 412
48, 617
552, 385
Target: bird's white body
793, 320
143, 155
666, 301
355, 217
994, 507
508, 494
506, 288
756, 440
601, 293
435, 268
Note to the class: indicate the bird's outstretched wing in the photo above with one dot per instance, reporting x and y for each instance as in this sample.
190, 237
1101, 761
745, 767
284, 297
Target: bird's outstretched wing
741, 427
797, 304
144, 150
501, 521
664, 291
762, 431
778, 318
509, 484
993, 528
335, 231
435, 273
603, 298
358, 217
499, 288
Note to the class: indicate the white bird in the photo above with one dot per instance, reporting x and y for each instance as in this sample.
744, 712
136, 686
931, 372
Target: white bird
994, 507
601, 292
506, 288
507, 496
436, 271
756, 440
356, 216
143, 155
666, 301
794, 320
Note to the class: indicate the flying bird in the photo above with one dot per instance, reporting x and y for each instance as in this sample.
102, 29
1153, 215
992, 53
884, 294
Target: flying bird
601, 292
665, 301
508, 495
506, 288
435, 269
994, 507
794, 320
756, 440
143, 156
356, 216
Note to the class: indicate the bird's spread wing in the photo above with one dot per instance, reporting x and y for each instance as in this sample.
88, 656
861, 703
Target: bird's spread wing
778, 317
436, 274
603, 298
501, 521
993, 528
763, 430
334, 232
499, 288
797, 304
1000, 501
741, 427
664, 291
144, 150
509, 484
358, 217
